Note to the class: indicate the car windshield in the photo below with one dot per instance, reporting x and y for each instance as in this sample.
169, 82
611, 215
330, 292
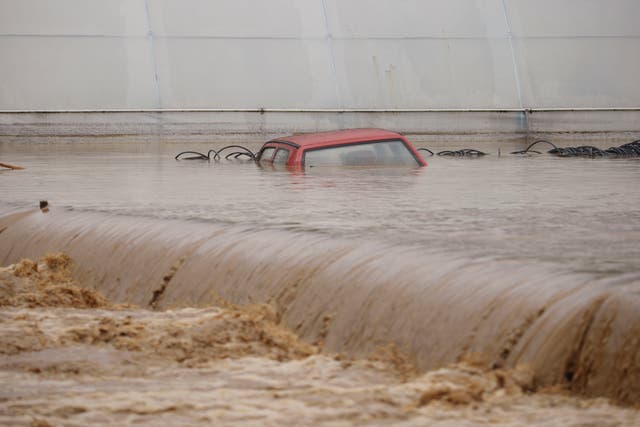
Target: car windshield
389, 153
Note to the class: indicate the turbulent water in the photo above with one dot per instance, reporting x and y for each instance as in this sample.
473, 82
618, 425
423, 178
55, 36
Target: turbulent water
529, 265
70, 357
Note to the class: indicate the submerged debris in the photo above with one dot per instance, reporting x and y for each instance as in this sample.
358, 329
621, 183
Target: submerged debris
12, 167
240, 152
630, 149
466, 152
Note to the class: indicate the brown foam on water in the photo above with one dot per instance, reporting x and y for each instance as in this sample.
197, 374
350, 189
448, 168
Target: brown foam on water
219, 333
47, 283
347, 297
236, 365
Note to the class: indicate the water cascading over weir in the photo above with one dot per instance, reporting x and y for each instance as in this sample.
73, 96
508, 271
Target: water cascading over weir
570, 328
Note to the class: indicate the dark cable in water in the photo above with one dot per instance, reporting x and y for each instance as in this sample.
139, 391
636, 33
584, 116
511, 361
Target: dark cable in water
425, 149
198, 156
216, 154
237, 154
528, 149
246, 152
468, 152
630, 149
625, 150
465, 152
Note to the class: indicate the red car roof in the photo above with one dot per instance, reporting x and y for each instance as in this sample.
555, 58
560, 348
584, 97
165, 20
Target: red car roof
338, 137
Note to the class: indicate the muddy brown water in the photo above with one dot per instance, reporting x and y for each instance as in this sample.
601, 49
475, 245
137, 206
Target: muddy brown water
526, 261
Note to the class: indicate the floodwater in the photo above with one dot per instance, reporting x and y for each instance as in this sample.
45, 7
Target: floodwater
583, 214
499, 290
70, 357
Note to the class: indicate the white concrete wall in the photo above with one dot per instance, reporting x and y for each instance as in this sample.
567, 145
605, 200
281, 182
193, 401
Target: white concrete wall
391, 54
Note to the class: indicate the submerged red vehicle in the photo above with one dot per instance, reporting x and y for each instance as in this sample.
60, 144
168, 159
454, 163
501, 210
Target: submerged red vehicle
352, 147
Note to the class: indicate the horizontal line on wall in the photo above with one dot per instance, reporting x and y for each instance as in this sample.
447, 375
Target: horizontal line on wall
379, 38
324, 110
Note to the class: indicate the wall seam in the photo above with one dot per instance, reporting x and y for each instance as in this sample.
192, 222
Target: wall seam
332, 59
154, 59
516, 74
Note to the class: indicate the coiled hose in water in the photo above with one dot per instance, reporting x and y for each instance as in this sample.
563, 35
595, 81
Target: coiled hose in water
630, 149
465, 152
195, 155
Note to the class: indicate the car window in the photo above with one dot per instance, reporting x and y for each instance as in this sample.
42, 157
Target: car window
267, 154
393, 152
282, 155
